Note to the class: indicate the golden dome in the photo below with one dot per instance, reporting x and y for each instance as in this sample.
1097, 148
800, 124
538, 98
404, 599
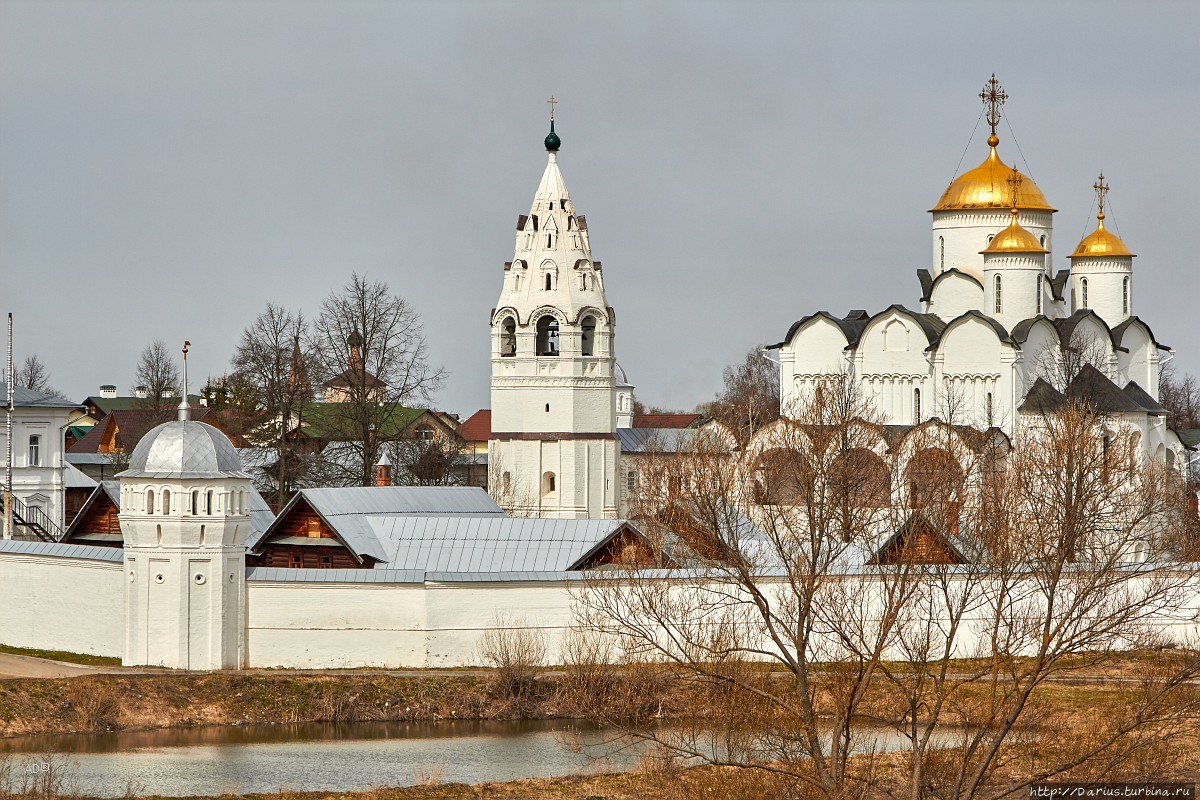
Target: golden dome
1100, 243
1014, 239
986, 186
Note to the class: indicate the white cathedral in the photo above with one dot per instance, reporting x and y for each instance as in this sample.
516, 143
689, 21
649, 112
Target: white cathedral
996, 322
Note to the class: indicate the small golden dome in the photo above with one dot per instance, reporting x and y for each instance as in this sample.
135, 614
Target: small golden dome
986, 186
1101, 243
1014, 239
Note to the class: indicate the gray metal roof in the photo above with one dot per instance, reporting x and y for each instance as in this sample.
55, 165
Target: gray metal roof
86, 552
184, 449
346, 509
32, 398
490, 544
285, 575
73, 478
88, 458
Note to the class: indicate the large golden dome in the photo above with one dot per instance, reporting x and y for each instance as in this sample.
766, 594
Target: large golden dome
1014, 239
987, 186
1100, 243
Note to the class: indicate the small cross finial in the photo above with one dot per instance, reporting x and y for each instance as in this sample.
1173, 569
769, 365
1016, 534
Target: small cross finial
552, 101
1101, 190
1014, 187
993, 97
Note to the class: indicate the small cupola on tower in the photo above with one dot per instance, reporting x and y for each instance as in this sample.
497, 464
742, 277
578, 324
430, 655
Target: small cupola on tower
1102, 269
553, 361
1014, 265
975, 206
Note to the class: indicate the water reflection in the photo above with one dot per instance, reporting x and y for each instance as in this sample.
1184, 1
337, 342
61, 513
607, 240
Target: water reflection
319, 757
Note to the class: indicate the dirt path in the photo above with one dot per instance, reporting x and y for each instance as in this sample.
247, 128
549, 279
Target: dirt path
13, 666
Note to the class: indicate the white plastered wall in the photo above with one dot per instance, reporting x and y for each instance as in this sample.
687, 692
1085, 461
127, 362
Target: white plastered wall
56, 603
955, 294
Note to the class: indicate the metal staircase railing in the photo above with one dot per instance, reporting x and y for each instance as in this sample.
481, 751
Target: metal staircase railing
35, 521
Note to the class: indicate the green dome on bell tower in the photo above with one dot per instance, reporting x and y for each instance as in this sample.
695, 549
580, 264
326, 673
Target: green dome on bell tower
552, 140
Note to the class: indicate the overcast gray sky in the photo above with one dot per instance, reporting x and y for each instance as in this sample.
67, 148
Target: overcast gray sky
168, 167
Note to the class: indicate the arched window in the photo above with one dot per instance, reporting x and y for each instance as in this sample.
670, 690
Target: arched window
1040, 277
916, 406
1125, 295
549, 485
991, 412
589, 334
1083, 300
998, 304
208, 502
149, 501
549, 281
547, 336
786, 477
195, 502
508, 338
941, 253
166, 505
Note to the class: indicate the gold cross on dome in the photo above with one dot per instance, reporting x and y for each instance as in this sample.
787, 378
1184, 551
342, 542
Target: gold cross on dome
552, 101
993, 97
1101, 190
1014, 185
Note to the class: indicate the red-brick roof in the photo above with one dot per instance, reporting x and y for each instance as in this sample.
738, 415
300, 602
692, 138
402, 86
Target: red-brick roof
478, 427
666, 420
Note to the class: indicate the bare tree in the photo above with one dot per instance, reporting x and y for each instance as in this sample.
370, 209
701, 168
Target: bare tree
1180, 396
369, 348
158, 372
750, 398
270, 371
33, 374
849, 585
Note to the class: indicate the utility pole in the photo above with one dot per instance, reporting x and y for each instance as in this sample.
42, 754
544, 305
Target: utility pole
8, 412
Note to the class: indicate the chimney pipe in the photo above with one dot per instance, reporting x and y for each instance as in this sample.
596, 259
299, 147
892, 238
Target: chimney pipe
383, 471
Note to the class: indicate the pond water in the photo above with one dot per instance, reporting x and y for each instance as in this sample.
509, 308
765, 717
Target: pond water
312, 757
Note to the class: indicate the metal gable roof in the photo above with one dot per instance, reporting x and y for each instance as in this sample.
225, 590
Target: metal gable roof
347, 510
32, 398
57, 549
489, 544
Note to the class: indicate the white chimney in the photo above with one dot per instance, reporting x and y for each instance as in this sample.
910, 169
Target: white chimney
108, 390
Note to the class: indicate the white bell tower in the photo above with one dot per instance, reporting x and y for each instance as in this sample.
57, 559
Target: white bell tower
553, 451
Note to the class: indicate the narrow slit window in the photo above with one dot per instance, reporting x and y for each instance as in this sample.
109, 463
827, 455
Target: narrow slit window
916, 405
1040, 279
1083, 298
1125, 295
998, 304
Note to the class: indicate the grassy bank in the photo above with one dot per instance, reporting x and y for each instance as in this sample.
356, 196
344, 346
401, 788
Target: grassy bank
117, 702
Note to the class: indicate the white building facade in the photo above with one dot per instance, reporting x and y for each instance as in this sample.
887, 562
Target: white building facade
553, 450
40, 473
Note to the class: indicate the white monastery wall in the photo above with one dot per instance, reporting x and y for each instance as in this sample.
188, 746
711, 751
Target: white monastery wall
335, 625
55, 603
972, 371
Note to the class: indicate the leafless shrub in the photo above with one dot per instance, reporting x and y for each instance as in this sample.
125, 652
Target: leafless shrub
96, 706
514, 650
